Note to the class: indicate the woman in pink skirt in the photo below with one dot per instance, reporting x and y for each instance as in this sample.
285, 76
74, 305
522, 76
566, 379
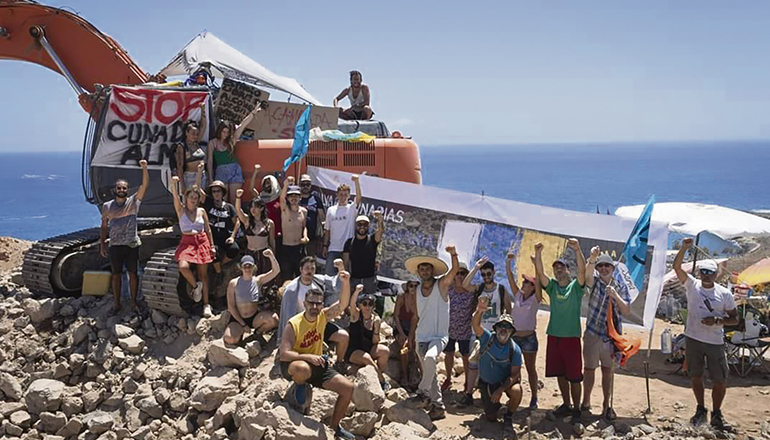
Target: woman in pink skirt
196, 244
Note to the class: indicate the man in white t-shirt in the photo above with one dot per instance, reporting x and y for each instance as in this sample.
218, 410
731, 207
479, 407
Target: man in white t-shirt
340, 223
710, 306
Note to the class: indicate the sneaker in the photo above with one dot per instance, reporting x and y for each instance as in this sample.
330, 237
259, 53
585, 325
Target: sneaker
300, 394
437, 412
718, 422
576, 417
385, 386
207, 311
197, 292
700, 416
508, 431
419, 400
533, 403
562, 411
609, 415
341, 432
447, 384
466, 399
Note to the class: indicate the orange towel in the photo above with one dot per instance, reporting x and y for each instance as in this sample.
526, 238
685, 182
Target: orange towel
626, 345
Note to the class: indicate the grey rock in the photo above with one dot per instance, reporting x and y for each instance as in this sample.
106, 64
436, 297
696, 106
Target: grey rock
10, 386
122, 331
361, 423
67, 310
92, 399
130, 386
132, 344
158, 317
12, 430
8, 408
177, 401
52, 422
401, 413
44, 395
39, 311
73, 427
80, 333
219, 384
98, 422
161, 395
368, 394
71, 405
150, 406
251, 431
109, 435
21, 419
221, 356
61, 370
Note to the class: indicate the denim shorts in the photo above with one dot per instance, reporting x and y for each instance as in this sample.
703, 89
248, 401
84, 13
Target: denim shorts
527, 344
464, 344
229, 173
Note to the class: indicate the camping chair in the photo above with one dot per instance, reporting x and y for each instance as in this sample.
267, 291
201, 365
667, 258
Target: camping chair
744, 356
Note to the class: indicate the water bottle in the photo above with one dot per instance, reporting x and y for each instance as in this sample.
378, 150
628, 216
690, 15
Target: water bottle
666, 342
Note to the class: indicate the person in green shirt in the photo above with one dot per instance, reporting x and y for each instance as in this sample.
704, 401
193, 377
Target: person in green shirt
563, 353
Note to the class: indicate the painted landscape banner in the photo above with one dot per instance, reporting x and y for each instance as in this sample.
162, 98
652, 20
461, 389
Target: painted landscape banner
422, 220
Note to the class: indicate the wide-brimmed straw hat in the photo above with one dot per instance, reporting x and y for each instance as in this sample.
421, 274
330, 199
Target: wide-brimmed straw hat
218, 184
439, 267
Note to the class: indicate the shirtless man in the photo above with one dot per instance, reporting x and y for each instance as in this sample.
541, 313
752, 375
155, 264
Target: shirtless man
293, 225
358, 95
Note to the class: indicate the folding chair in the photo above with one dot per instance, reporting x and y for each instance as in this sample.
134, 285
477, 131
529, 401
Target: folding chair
747, 354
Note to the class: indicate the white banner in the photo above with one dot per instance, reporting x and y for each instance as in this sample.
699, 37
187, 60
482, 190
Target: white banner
144, 123
422, 220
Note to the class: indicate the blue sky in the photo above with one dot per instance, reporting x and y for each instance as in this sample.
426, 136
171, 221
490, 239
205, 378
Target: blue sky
469, 73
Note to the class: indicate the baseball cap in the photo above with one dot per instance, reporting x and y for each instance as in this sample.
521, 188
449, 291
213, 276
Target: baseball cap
707, 265
362, 218
562, 261
529, 278
247, 259
305, 178
605, 259
293, 190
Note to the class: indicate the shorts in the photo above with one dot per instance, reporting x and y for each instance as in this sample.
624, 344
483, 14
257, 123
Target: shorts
370, 284
229, 173
700, 354
249, 321
289, 258
527, 344
331, 328
189, 179
596, 351
407, 326
464, 344
563, 358
487, 389
124, 255
230, 251
318, 374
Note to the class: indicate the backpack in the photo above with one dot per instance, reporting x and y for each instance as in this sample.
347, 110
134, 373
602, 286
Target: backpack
492, 341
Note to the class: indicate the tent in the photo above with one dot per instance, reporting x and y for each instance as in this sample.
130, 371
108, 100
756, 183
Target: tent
224, 61
692, 218
757, 273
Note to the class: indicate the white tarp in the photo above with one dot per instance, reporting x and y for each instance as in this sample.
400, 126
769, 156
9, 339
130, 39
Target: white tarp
225, 61
422, 220
692, 218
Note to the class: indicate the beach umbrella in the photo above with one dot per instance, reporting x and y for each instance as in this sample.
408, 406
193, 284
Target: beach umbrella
757, 273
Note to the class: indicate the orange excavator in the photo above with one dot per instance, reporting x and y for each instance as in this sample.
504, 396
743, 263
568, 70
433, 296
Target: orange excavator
94, 64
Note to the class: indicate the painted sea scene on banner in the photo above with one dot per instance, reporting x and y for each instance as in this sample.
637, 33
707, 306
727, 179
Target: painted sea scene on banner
281, 220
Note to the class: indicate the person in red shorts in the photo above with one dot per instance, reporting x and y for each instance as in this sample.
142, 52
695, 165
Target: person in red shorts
563, 353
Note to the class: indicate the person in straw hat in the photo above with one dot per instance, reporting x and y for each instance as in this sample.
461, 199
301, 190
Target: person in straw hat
430, 331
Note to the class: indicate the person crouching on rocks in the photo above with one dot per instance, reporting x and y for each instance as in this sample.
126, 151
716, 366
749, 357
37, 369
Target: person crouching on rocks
365, 348
301, 354
499, 366
243, 298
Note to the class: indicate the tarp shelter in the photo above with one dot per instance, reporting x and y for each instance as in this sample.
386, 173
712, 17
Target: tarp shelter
757, 273
224, 61
692, 218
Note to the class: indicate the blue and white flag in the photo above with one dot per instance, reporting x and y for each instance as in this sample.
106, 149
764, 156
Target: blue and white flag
635, 250
301, 137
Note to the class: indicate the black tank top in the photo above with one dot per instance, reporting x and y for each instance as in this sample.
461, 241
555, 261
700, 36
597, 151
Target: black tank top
360, 337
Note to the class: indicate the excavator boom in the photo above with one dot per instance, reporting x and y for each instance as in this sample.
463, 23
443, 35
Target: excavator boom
67, 44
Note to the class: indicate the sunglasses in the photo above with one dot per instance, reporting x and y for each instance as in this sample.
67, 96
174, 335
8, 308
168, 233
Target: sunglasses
487, 274
121, 188
367, 303
305, 184
315, 303
412, 285
462, 274
601, 265
362, 225
214, 191
707, 272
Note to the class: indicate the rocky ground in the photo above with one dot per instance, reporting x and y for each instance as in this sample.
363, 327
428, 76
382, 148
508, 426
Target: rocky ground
69, 369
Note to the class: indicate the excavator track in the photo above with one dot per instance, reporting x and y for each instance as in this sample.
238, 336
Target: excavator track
55, 266
161, 283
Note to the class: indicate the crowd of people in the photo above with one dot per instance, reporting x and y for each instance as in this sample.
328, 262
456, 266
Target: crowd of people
325, 322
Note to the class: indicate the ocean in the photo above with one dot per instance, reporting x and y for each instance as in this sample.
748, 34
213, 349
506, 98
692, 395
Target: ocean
43, 195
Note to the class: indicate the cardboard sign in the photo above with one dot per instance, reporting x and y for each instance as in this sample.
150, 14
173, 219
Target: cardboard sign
278, 120
236, 100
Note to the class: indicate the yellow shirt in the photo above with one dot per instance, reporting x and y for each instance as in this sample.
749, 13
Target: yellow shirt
309, 336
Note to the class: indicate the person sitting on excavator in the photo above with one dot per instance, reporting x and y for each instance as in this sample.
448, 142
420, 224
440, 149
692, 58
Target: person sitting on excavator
358, 95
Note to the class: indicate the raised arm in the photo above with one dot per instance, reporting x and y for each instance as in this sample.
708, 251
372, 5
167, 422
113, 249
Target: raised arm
284, 189
341, 96
376, 330
198, 179
180, 152
275, 269
202, 128
509, 272
538, 287
253, 180
380, 226
481, 307
581, 260
681, 274
175, 195
468, 281
353, 306
539, 271
210, 159
245, 123
336, 309
145, 181
445, 281
238, 209
591, 266
359, 196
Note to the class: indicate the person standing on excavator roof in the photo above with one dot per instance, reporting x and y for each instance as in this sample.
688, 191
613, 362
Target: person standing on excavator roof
358, 95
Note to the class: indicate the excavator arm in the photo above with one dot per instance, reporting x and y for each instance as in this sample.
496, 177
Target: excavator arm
67, 44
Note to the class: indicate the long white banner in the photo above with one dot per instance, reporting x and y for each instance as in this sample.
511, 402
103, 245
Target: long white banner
423, 220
